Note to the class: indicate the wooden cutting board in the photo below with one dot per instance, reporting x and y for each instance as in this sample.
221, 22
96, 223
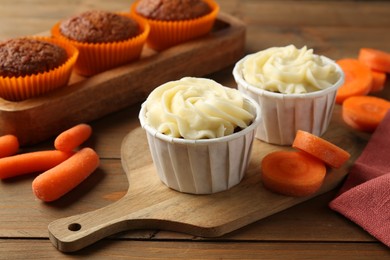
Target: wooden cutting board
149, 204
87, 99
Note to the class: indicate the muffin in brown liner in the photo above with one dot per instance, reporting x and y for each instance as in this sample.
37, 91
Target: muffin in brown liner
165, 34
98, 57
18, 88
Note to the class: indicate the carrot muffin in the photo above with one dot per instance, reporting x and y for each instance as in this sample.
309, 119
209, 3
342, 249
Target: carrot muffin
25, 56
175, 21
172, 10
99, 26
32, 66
104, 39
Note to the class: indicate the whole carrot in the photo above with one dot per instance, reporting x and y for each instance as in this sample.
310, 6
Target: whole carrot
30, 162
61, 179
70, 139
9, 145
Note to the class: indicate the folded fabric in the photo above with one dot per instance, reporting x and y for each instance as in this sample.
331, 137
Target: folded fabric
364, 198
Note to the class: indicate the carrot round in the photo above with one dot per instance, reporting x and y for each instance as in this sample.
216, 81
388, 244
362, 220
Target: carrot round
292, 173
61, 179
32, 162
357, 82
378, 80
9, 145
364, 113
70, 139
375, 59
318, 147
349, 121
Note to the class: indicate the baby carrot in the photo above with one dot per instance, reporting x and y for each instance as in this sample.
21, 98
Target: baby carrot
292, 173
9, 145
70, 139
358, 79
364, 113
25, 163
375, 59
378, 80
61, 179
318, 147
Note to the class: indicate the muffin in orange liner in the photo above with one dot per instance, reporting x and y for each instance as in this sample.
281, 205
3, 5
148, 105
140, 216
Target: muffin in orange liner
29, 86
165, 34
98, 57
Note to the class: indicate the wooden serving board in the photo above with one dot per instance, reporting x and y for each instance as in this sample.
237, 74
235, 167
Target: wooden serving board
149, 204
86, 99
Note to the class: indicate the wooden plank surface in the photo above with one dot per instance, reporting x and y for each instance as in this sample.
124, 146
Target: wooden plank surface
114, 249
305, 231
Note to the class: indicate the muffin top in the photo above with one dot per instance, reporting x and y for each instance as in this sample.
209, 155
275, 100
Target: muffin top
97, 26
289, 70
172, 10
196, 108
27, 56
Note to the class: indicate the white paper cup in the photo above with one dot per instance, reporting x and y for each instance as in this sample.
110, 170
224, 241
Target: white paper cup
202, 166
283, 114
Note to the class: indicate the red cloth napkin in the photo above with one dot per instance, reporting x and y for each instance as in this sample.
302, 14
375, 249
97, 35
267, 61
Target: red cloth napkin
365, 196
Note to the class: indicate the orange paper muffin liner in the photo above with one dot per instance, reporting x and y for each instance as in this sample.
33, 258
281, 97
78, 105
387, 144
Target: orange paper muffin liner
165, 34
98, 57
25, 87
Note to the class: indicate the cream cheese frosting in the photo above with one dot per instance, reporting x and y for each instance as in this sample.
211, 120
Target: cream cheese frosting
289, 70
196, 108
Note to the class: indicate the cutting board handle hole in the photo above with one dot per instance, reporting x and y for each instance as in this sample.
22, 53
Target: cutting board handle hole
74, 227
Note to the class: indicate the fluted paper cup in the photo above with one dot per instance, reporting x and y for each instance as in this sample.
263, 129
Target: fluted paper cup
202, 166
283, 114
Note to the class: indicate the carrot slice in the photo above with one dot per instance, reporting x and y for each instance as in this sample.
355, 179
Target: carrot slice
358, 79
318, 147
32, 162
57, 181
364, 113
375, 59
349, 121
70, 139
292, 173
378, 80
9, 145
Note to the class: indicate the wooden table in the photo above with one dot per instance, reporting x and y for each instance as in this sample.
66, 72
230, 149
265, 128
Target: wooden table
309, 230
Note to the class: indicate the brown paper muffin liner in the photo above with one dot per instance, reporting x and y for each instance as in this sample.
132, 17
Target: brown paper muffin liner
165, 34
98, 57
25, 87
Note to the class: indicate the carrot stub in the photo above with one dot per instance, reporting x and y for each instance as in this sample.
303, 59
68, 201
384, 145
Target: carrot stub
357, 82
31, 162
9, 145
73, 137
375, 59
292, 173
318, 147
364, 113
57, 181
